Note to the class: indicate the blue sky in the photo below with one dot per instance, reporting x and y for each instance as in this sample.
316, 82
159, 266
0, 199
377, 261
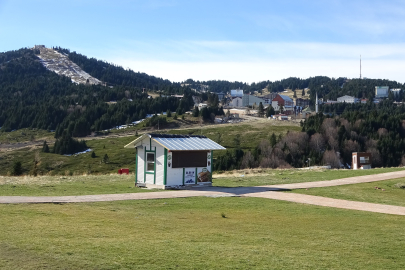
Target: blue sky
247, 41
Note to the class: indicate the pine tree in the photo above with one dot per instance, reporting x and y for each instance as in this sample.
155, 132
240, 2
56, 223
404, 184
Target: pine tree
273, 140
270, 111
260, 111
45, 148
196, 111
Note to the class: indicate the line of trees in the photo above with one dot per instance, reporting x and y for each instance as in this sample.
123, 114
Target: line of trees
331, 141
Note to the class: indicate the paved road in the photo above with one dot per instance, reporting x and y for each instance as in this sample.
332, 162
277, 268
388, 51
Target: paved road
269, 192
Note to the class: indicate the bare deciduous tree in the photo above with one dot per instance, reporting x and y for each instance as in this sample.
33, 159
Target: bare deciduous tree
370, 144
357, 124
347, 125
331, 158
328, 123
354, 135
382, 132
317, 143
248, 161
265, 148
376, 160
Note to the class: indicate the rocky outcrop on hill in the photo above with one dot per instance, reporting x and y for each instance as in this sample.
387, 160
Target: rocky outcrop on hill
60, 64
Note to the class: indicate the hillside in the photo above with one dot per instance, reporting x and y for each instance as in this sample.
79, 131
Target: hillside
37, 91
62, 65
250, 134
117, 75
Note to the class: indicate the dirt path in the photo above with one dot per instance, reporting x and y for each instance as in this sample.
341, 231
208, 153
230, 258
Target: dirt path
329, 202
268, 192
343, 181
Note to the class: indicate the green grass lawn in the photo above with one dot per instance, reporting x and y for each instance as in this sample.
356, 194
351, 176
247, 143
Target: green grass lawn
55, 164
191, 233
273, 177
69, 185
25, 135
387, 192
114, 183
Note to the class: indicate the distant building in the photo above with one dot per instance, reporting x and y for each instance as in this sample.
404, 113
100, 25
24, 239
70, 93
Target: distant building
306, 112
329, 102
269, 98
202, 105
282, 100
361, 160
221, 95
381, 91
237, 93
396, 91
250, 100
300, 102
347, 99
236, 102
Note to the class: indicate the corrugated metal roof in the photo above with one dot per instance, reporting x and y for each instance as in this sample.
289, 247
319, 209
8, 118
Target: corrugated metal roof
174, 142
190, 143
287, 98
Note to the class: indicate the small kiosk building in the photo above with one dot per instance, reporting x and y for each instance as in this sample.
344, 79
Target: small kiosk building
361, 160
165, 160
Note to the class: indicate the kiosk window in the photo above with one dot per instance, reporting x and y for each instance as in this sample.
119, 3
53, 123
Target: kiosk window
150, 162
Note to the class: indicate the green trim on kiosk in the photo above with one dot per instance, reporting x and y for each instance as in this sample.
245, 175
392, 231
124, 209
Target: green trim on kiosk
136, 166
165, 168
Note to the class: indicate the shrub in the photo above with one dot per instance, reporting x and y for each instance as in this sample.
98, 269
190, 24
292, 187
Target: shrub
106, 158
17, 168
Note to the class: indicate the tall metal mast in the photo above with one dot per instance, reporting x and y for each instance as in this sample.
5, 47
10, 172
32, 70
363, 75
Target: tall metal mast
360, 66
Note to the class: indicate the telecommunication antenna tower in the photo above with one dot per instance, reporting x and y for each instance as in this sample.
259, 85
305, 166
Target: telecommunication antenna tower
360, 66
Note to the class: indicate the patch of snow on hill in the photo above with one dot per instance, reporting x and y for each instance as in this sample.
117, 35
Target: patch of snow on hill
61, 65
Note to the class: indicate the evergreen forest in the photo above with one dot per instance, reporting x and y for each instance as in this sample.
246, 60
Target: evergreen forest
33, 97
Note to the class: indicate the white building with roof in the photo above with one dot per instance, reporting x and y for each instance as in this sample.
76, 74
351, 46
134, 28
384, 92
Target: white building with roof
347, 99
381, 91
165, 160
250, 100
236, 102
237, 93
396, 91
